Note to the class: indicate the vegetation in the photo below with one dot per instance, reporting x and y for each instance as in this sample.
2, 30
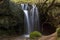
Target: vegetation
48, 14
58, 32
23, 1
35, 34
12, 19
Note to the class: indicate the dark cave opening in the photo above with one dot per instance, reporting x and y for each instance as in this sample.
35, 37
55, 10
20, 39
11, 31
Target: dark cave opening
48, 29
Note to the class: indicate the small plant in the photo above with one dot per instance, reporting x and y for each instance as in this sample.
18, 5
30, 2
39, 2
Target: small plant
58, 32
35, 34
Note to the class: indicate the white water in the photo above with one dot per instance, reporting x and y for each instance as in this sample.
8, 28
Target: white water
31, 20
27, 21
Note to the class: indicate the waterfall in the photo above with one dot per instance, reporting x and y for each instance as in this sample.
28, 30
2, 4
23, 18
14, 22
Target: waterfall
27, 21
31, 20
37, 18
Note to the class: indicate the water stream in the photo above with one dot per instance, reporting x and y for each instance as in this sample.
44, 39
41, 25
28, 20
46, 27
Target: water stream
31, 18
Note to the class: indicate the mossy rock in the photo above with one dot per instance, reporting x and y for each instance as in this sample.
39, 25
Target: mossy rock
58, 32
35, 34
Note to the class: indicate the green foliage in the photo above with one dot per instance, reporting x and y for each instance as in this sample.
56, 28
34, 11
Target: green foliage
24, 1
51, 16
58, 32
11, 18
2, 32
35, 34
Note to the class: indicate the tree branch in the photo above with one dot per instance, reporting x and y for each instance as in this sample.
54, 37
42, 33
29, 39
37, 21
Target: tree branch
49, 6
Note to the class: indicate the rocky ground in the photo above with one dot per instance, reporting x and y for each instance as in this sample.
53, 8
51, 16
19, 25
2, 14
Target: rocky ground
49, 37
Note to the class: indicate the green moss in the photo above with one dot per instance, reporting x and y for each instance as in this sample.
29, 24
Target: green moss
58, 32
35, 34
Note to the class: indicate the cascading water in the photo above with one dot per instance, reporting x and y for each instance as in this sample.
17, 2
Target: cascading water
27, 21
31, 19
34, 18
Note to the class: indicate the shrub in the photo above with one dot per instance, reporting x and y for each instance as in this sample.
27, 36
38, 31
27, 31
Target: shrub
58, 32
35, 34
